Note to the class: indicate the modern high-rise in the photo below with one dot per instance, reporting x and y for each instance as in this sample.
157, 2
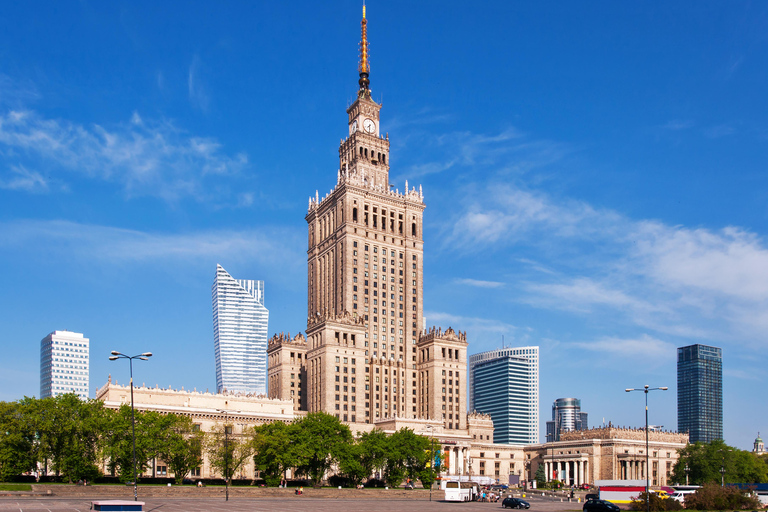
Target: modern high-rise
700, 392
366, 355
505, 384
64, 364
239, 334
566, 417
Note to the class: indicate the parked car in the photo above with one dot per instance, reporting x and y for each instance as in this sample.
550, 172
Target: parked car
591, 497
515, 503
600, 506
584, 486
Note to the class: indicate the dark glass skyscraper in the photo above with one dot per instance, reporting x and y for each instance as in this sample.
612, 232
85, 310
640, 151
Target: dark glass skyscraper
700, 392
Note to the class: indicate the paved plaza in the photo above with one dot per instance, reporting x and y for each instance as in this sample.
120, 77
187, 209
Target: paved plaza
295, 503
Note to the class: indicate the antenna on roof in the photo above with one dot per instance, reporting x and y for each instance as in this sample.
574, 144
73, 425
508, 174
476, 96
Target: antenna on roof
502, 342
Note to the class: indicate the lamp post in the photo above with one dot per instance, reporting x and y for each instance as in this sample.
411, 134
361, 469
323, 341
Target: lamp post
226, 454
646, 389
145, 356
431, 457
687, 470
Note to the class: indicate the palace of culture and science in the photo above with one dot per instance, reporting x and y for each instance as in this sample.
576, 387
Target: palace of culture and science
367, 357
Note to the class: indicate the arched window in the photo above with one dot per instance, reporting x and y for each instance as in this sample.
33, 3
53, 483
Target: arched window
384, 158
413, 229
354, 214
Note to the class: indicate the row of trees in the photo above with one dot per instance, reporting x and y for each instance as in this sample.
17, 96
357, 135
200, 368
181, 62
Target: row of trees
70, 437
319, 442
705, 462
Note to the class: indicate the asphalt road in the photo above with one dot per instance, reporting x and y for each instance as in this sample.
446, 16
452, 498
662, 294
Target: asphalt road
297, 503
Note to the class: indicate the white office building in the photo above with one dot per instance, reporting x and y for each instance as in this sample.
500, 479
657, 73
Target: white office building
64, 364
505, 384
239, 334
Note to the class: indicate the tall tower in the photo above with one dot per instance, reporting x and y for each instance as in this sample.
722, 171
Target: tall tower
505, 384
364, 267
64, 362
700, 392
566, 417
239, 334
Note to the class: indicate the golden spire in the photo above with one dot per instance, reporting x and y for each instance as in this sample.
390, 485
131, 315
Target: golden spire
364, 67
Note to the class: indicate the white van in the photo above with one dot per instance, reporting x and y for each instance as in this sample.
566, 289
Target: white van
680, 495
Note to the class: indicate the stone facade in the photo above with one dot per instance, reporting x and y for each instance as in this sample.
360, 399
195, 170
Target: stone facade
608, 453
205, 409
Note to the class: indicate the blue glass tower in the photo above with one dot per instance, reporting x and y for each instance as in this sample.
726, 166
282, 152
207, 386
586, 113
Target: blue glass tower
505, 384
700, 392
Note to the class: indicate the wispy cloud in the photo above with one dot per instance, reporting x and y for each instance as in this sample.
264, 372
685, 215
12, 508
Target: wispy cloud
21, 178
646, 348
147, 158
198, 94
478, 328
112, 245
479, 284
465, 152
678, 124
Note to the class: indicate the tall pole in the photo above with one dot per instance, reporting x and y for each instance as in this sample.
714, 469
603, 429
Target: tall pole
226, 459
646, 389
133, 435
647, 467
144, 357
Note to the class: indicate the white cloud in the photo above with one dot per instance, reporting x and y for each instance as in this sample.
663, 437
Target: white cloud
146, 158
696, 283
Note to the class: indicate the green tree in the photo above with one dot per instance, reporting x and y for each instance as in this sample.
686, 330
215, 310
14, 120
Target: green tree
118, 444
226, 450
321, 440
541, 476
18, 446
705, 461
181, 446
69, 433
408, 456
274, 450
374, 446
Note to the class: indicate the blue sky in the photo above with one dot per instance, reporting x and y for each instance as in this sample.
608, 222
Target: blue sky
594, 174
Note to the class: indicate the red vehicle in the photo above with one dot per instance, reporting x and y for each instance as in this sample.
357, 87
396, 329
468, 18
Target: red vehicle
586, 487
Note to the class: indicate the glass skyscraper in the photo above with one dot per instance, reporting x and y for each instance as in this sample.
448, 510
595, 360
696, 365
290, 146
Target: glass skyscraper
64, 362
566, 416
700, 392
239, 334
505, 384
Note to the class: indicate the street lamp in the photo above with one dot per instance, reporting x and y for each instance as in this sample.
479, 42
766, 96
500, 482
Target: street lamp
145, 356
226, 454
687, 470
431, 457
646, 389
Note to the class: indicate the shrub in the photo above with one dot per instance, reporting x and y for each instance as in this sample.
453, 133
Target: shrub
713, 497
657, 503
375, 482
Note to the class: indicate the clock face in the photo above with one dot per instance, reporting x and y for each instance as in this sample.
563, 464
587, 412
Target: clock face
353, 128
369, 126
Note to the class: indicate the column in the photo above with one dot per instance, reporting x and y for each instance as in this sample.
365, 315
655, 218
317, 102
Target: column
451, 462
460, 465
567, 473
578, 472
